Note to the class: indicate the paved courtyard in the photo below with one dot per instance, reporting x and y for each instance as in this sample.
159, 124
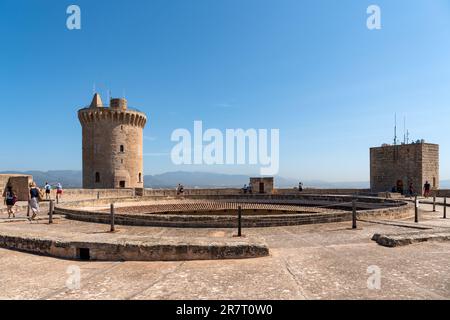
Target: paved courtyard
327, 261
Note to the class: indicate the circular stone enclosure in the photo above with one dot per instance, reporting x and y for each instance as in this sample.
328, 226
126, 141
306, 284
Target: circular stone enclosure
222, 211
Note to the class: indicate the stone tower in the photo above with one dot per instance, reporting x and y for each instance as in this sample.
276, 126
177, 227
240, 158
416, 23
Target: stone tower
112, 145
399, 165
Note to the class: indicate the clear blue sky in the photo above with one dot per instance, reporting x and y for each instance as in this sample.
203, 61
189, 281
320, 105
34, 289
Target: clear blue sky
310, 68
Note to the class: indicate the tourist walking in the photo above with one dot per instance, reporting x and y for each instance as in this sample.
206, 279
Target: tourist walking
300, 186
59, 191
34, 196
411, 191
426, 189
10, 200
48, 190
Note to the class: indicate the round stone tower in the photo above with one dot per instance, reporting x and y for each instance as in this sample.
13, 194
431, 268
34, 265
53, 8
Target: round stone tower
112, 145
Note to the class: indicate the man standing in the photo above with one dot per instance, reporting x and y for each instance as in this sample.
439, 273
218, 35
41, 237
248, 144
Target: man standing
426, 189
48, 190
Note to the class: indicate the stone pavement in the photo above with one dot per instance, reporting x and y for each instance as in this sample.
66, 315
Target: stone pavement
327, 261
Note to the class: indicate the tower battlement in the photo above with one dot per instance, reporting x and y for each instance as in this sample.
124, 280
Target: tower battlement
112, 144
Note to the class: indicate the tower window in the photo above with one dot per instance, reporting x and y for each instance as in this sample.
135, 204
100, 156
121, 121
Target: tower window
97, 177
140, 177
122, 149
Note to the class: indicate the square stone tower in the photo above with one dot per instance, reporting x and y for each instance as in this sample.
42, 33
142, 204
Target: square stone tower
262, 185
399, 165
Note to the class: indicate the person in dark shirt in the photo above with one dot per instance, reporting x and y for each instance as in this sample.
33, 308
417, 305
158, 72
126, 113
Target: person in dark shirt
427, 189
34, 200
10, 200
411, 191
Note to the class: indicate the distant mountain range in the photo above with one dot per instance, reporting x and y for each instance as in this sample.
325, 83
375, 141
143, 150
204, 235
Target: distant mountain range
73, 179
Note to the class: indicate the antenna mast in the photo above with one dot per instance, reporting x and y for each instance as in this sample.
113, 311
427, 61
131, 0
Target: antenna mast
395, 130
404, 130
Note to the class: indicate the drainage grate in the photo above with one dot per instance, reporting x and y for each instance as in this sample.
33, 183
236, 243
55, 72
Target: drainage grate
83, 254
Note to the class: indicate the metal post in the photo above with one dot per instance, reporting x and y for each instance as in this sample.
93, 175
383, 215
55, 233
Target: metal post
50, 212
57, 199
239, 221
112, 218
28, 209
416, 210
434, 203
353, 214
445, 208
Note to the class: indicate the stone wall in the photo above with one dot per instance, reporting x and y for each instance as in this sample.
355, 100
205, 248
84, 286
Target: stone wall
235, 191
411, 163
323, 191
81, 194
19, 183
443, 193
367, 207
135, 250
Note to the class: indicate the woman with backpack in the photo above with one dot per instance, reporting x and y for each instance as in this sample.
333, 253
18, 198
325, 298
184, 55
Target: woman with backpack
34, 197
10, 200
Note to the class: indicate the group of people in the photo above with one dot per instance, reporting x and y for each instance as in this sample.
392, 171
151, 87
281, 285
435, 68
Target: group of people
34, 196
411, 190
48, 190
247, 189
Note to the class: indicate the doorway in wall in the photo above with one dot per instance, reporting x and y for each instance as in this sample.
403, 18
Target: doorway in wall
261, 187
122, 184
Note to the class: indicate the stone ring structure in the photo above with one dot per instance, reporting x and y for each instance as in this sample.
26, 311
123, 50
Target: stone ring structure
222, 211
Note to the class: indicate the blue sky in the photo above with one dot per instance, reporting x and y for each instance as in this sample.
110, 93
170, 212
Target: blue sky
309, 68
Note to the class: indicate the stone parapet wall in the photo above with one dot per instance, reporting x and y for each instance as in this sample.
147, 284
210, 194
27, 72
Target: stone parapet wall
135, 250
443, 193
323, 191
80, 194
238, 191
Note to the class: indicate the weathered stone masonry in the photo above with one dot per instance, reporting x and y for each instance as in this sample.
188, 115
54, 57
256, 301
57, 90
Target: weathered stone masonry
112, 145
416, 163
